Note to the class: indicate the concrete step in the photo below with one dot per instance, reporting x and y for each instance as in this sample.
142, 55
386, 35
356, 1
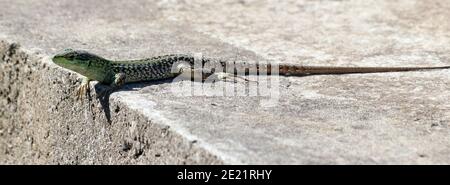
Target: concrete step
382, 118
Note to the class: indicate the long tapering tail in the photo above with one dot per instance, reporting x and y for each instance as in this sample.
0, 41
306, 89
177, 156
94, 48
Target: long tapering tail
305, 70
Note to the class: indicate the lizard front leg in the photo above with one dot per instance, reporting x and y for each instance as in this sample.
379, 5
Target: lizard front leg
119, 81
83, 89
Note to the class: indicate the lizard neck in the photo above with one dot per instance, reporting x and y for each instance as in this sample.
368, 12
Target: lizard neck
100, 70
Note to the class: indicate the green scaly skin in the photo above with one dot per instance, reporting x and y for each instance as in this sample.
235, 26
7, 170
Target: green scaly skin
117, 73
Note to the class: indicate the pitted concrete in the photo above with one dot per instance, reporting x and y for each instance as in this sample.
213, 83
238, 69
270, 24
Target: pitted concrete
389, 118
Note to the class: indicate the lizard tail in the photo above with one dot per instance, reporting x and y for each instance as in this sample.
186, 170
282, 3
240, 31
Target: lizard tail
292, 70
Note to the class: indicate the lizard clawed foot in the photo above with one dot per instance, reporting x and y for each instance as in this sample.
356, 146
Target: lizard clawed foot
83, 89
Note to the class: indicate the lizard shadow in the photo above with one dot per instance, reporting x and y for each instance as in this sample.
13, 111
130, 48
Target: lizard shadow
103, 98
104, 92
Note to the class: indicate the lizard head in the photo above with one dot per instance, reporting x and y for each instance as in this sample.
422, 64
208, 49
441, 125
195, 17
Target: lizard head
79, 61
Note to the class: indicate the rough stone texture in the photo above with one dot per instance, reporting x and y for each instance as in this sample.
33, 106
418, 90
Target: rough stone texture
42, 123
390, 118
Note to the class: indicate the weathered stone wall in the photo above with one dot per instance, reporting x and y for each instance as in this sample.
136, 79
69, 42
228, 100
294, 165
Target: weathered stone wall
42, 122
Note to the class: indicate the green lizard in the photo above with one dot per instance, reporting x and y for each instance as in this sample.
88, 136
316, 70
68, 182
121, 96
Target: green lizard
117, 73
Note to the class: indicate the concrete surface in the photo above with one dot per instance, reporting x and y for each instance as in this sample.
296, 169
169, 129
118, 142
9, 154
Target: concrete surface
391, 118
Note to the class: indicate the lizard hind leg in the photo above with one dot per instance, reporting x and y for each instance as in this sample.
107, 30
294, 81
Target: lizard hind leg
186, 72
222, 76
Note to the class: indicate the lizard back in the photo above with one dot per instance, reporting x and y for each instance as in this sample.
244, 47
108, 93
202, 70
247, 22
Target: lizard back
156, 68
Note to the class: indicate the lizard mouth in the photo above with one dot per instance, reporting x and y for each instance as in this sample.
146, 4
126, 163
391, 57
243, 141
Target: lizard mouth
63, 62
56, 59
58, 56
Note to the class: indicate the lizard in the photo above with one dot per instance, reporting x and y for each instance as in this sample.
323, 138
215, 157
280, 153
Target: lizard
117, 73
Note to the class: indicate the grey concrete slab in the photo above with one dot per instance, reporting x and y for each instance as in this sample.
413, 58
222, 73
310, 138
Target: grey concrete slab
390, 118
